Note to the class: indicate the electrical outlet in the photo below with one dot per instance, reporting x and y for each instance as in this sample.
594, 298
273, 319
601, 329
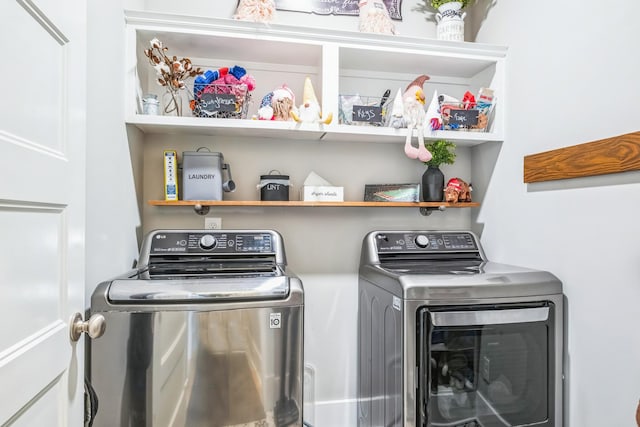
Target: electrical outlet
212, 223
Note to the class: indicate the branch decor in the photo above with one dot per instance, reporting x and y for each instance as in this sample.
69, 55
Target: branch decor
171, 72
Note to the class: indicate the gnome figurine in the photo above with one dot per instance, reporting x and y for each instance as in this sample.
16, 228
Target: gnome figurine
374, 17
256, 10
278, 105
433, 119
397, 112
414, 114
310, 111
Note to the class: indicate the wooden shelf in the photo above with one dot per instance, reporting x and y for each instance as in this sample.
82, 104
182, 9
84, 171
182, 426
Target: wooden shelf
611, 155
297, 203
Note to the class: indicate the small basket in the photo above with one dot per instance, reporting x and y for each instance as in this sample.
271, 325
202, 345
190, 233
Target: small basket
459, 117
360, 110
221, 101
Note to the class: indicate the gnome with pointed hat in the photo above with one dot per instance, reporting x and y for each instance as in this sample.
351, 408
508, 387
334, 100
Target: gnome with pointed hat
433, 118
310, 111
397, 112
414, 114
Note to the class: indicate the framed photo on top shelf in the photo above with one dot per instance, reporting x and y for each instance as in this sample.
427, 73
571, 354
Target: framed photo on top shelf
336, 7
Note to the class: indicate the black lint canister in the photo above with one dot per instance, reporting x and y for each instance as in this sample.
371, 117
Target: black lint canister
274, 187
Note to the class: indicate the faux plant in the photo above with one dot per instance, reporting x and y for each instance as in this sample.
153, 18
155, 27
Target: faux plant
437, 3
443, 152
431, 6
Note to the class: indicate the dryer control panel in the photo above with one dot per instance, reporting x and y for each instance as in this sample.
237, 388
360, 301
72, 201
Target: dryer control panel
425, 241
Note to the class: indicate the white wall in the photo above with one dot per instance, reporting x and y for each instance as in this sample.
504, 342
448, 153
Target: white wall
571, 80
572, 70
113, 219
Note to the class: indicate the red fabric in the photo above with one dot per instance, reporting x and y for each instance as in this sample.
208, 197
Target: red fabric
468, 100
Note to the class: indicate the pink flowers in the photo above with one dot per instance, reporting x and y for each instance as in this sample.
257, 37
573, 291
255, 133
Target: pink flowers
170, 71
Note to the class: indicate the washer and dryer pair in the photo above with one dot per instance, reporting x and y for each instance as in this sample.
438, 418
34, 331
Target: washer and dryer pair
208, 331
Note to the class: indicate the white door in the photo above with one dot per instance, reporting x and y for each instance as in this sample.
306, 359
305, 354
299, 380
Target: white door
42, 170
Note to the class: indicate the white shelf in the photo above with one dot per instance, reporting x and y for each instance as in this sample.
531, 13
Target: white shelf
196, 36
338, 62
226, 127
294, 131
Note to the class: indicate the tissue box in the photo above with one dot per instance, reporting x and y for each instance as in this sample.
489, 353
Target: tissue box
392, 192
315, 193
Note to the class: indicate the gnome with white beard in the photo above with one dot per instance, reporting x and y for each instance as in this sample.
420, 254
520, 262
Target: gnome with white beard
374, 17
310, 110
256, 10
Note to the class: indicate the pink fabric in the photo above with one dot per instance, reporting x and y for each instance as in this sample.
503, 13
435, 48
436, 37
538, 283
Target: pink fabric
227, 84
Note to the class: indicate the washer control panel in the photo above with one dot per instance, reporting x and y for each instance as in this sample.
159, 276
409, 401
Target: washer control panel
208, 241
427, 241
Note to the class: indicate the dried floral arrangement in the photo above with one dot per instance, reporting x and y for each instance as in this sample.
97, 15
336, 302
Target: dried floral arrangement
170, 70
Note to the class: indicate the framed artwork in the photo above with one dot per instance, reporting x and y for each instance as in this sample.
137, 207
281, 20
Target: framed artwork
336, 7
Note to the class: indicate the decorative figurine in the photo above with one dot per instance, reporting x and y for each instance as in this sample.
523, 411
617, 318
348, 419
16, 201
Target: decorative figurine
374, 17
457, 190
414, 115
256, 10
397, 112
310, 111
278, 105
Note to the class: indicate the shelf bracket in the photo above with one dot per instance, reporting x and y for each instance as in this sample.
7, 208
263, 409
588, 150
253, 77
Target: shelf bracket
424, 211
201, 210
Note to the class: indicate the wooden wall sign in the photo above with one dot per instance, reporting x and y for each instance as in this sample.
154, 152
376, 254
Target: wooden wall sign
336, 7
617, 154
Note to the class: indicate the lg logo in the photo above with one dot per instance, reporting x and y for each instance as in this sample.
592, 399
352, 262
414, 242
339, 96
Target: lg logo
275, 320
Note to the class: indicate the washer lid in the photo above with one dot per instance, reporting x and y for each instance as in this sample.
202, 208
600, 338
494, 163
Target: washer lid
139, 291
435, 267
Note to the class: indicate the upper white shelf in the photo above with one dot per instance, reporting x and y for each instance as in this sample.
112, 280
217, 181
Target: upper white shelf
338, 62
293, 130
192, 36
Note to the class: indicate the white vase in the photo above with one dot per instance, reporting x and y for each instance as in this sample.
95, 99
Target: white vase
450, 22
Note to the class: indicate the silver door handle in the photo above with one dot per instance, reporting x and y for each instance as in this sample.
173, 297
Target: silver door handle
489, 317
94, 327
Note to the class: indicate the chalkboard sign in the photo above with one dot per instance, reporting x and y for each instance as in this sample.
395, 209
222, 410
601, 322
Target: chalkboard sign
464, 118
336, 7
366, 113
217, 102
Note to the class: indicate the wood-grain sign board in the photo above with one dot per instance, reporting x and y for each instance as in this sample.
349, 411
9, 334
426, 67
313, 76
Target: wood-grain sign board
611, 155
